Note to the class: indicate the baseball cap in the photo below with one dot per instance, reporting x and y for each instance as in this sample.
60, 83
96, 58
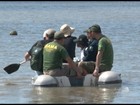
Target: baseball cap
58, 35
82, 39
93, 28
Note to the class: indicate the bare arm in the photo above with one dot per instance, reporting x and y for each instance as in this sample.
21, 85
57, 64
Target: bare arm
27, 56
98, 61
73, 65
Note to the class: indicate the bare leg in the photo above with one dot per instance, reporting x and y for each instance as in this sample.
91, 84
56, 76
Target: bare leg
84, 72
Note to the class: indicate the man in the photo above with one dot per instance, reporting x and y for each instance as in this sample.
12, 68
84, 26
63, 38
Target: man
68, 40
48, 36
82, 42
54, 54
104, 57
89, 47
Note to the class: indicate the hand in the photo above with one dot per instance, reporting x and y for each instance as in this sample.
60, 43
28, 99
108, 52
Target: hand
79, 75
27, 56
96, 73
84, 73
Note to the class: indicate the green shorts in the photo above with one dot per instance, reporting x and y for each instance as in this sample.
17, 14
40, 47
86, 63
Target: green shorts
90, 66
71, 72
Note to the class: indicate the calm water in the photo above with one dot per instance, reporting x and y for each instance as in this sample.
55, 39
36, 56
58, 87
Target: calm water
120, 21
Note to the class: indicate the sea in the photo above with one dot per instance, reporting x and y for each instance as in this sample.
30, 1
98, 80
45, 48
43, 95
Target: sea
119, 20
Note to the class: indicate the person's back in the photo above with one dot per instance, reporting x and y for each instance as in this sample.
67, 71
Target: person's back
69, 43
106, 46
36, 52
54, 54
35, 56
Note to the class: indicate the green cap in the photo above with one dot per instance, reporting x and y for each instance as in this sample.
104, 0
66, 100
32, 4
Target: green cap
58, 35
94, 28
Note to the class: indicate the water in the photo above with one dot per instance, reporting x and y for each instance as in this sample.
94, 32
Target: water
119, 20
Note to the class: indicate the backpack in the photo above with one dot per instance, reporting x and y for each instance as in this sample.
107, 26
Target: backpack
36, 61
